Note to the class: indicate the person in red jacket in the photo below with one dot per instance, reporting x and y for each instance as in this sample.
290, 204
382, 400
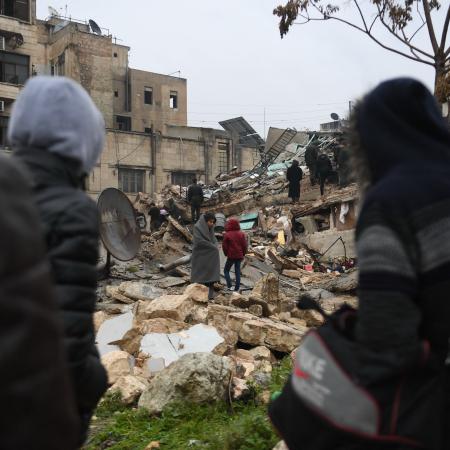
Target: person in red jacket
234, 247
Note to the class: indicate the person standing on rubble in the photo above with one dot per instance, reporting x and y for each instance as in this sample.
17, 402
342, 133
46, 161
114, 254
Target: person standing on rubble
324, 169
35, 389
311, 154
294, 175
234, 247
155, 220
195, 199
205, 262
57, 132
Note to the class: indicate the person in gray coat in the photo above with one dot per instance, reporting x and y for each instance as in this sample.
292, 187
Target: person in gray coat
205, 262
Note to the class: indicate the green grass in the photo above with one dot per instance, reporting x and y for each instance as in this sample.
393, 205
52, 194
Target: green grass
244, 426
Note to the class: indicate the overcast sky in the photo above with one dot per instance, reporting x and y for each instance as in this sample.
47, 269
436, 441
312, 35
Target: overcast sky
236, 64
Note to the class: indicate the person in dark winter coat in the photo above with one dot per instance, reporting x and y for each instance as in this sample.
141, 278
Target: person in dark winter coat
294, 175
205, 262
195, 199
154, 213
400, 335
311, 154
58, 134
234, 247
324, 169
35, 389
401, 152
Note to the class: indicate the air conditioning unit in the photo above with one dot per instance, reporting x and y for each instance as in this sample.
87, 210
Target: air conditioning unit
2, 43
2, 106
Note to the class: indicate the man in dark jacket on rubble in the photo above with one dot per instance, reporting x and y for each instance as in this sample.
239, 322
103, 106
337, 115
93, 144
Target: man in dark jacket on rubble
294, 175
311, 161
57, 132
35, 390
324, 169
195, 199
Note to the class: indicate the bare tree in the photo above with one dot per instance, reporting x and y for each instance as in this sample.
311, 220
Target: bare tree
402, 19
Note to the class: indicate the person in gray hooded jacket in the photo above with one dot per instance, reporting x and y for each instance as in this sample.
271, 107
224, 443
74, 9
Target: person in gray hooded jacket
58, 134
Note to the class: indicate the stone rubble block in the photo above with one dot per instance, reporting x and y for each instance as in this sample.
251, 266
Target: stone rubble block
130, 388
117, 365
197, 292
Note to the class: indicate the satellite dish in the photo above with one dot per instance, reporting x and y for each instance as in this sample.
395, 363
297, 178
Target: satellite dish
119, 230
53, 11
95, 28
334, 116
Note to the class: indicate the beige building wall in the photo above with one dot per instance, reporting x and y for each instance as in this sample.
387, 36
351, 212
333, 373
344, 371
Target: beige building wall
160, 112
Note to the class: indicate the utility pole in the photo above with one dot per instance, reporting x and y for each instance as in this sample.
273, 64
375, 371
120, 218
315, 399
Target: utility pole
350, 107
264, 124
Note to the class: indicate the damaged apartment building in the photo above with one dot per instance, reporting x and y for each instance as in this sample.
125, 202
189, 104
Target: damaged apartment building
149, 144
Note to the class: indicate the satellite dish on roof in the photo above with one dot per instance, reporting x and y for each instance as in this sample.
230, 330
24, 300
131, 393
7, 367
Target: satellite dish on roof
334, 116
119, 230
53, 11
95, 28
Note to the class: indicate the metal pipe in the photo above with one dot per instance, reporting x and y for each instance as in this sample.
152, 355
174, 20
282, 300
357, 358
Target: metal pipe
174, 264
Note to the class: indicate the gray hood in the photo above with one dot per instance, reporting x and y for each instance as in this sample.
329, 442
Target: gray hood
57, 115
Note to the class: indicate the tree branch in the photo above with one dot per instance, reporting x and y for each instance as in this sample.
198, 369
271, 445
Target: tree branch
393, 50
445, 30
403, 41
426, 9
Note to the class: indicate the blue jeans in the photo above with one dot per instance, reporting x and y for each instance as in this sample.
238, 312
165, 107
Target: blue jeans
237, 271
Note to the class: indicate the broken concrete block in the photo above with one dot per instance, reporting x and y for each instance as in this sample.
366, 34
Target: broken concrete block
130, 388
283, 338
268, 288
137, 290
240, 388
113, 330
261, 353
194, 378
161, 325
245, 355
99, 318
117, 365
170, 347
114, 293
217, 314
131, 342
311, 317
197, 292
256, 310
176, 307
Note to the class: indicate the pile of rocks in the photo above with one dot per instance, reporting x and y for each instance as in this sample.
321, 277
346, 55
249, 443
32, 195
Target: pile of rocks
168, 347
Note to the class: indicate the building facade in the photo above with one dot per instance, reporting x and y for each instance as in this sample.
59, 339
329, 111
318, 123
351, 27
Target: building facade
148, 141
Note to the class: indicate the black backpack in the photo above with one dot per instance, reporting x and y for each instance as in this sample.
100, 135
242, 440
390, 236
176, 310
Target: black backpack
325, 406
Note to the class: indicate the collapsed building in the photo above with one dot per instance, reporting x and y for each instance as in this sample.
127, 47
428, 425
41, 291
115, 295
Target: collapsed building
149, 143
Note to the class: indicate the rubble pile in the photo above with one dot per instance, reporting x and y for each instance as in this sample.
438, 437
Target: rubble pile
160, 338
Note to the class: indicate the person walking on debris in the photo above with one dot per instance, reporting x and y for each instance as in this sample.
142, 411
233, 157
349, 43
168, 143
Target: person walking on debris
205, 262
311, 154
35, 389
324, 169
57, 132
294, 175
195, 199
154, 214
399, 337
234, 247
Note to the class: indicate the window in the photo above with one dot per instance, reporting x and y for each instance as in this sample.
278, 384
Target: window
58, 67
148, 130
115, 55
18, 9
14, 68
131, 180
116, 94
123, 123
173, 100
148, 96
3, 131
223, 149
182, 178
